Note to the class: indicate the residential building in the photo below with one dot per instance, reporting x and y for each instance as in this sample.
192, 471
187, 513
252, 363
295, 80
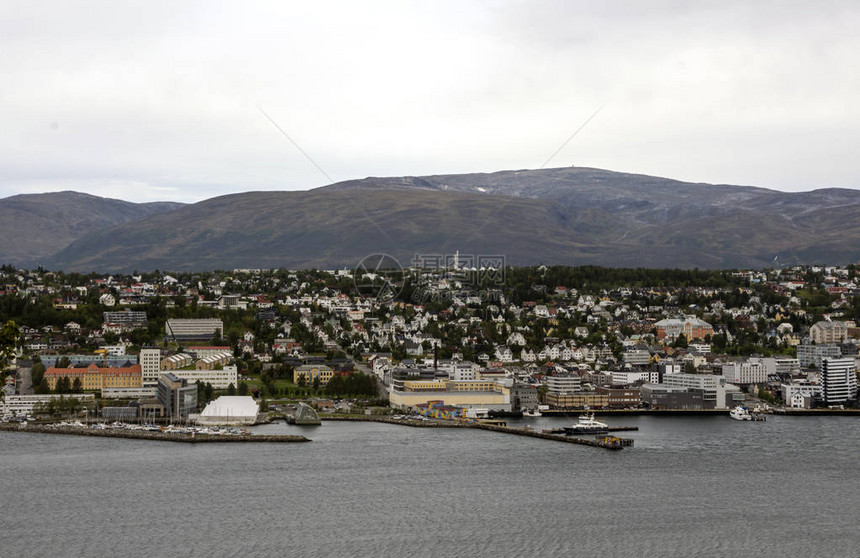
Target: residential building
177, 361
127, 320
637, 357
812, 355
150, 366
800, 395
828, 332
212, 362
838, 380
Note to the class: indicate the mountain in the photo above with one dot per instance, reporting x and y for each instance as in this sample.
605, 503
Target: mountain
36, 226
567, 216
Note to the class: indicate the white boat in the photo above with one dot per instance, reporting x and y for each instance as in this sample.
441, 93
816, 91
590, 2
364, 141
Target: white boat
587, 425
532, 413
740, 413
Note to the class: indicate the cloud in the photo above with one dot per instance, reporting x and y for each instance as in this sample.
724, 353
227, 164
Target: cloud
159, 99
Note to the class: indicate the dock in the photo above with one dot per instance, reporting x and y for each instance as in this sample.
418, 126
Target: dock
152, 435
605, 442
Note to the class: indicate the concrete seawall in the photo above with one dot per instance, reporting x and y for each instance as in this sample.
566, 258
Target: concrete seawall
154, 436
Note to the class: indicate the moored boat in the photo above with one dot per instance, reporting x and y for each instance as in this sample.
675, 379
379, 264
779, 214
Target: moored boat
587, 425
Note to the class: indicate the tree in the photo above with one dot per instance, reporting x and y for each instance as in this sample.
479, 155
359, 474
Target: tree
77, 387
243, 388
231, 389
9, 334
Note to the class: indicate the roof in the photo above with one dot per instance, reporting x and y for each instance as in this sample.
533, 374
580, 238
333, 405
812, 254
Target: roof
232, 406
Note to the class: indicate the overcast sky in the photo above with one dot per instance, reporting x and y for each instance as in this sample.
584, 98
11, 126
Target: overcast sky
159, 101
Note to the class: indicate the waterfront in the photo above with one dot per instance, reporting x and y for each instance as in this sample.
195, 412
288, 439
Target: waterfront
691, 486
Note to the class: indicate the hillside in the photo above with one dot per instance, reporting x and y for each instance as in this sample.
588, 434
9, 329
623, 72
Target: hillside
560, 216
36, 226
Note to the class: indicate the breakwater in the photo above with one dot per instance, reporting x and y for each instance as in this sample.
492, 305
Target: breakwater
612, 443
152, 435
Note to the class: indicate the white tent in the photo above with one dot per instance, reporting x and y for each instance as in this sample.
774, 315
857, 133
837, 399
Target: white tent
230, 409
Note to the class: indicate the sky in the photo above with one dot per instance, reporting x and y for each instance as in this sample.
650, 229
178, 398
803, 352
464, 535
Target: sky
167, 101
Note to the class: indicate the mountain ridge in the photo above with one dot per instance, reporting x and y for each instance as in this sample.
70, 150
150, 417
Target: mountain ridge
572, 215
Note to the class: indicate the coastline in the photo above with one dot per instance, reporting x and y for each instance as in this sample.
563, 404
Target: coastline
152, 436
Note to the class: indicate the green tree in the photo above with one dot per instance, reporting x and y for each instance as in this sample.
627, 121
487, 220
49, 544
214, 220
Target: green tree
9, 334
231, 389
243, 388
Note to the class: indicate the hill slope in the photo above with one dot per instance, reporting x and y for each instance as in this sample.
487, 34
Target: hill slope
558, 216
35, 226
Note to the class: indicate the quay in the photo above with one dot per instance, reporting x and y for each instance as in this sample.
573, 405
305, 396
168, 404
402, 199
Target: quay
152, 435
606, 442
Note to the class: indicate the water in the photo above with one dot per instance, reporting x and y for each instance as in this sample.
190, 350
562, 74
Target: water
690, 487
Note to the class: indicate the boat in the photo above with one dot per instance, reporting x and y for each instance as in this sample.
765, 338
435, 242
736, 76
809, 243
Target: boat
742, 413
587, 425
532, 413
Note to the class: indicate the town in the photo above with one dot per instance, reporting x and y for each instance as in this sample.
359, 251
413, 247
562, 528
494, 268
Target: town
442, 335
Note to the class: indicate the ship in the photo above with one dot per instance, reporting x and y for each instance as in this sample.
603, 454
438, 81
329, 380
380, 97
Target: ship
587, 425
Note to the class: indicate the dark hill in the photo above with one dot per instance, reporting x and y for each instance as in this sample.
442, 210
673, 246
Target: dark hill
562, 216
35, 226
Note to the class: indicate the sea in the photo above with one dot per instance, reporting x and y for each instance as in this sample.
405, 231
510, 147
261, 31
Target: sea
690, 486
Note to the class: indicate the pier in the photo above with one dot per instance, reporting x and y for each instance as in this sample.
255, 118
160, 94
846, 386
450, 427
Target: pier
606, 442
151, 435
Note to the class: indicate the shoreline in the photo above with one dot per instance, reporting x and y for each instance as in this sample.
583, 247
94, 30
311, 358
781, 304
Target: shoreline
154, 436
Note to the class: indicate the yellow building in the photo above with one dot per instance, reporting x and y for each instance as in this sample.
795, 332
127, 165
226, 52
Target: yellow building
310, 372
465, 393
96, 378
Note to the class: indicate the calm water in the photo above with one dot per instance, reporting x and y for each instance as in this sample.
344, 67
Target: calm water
690, 487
